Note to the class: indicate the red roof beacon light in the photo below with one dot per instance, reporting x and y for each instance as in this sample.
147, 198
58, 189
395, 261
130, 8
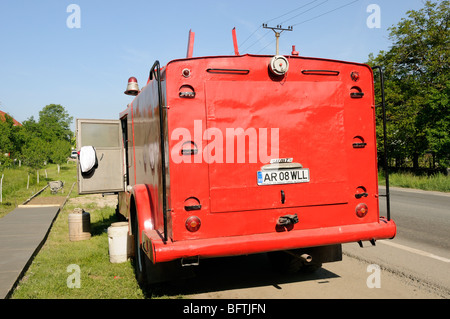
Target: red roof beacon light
132, 87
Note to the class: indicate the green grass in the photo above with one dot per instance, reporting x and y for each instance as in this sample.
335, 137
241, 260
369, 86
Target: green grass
48, 275
438, 182
15, 190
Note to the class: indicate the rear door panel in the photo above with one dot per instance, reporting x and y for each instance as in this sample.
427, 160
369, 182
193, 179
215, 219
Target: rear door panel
309, 119
106, 137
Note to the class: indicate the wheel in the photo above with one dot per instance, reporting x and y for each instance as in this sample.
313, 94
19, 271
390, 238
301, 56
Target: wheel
140, 260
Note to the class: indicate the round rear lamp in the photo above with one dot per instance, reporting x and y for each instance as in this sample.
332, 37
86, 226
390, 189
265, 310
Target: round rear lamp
193, 223
361, 210
279, 65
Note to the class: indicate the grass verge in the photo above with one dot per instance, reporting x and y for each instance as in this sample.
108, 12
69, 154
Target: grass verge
51, 275
438, 182
15, 181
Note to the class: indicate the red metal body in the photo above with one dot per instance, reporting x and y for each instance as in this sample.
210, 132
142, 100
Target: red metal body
223, 120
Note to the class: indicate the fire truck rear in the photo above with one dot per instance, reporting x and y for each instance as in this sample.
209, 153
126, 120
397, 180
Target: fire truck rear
235, 155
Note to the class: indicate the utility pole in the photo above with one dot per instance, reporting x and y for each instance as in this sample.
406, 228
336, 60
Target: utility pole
278, 30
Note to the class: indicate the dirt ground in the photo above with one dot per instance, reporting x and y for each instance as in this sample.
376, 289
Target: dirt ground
59, 199
98, 199
53, 200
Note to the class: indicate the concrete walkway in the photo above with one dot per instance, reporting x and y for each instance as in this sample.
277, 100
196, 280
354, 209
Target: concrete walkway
22, 233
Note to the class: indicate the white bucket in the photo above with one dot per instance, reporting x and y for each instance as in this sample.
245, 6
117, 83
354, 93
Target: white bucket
79, 225
119, 242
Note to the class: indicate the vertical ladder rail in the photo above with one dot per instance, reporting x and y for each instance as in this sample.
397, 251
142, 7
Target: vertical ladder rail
385, 156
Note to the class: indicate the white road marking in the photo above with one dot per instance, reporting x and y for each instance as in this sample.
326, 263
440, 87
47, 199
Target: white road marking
415, 251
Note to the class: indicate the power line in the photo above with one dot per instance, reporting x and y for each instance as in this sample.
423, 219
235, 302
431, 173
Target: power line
285, 14
321, 15
305, 11
305, 5
245, 49
297, 15
271, 43
250, 35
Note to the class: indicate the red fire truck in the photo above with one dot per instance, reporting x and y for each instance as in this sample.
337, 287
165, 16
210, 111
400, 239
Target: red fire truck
242, 154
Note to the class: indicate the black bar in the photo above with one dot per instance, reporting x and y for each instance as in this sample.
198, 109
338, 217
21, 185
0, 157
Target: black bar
192, 207
359, 145
357, 95
278, 27
386, 168
321, 72
228, 71
156, 68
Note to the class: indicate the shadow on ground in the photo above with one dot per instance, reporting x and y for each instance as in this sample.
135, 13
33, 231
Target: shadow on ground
228, 273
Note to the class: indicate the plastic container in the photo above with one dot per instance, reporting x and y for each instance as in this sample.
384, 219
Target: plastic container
79, 225
119, 242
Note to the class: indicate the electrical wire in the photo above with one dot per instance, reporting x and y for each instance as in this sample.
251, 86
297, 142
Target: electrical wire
301, 7
271, 43
250, 36
257, 41
321, 15
285, 14
305, 11
295, 16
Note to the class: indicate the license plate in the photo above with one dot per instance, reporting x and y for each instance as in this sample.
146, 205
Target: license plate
287, 176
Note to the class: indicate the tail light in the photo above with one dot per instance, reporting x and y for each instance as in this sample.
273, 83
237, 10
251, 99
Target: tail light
361, 210
193, 223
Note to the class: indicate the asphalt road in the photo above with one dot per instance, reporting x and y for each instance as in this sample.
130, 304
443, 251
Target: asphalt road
421, 249
423, 219
414, 265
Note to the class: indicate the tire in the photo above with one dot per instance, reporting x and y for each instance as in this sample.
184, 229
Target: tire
140, 259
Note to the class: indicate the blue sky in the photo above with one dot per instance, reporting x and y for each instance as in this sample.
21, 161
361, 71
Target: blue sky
85, 69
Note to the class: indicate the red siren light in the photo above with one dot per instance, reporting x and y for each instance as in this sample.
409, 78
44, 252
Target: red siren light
132, 87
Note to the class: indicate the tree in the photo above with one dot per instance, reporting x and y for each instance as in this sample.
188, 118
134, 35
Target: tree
55, 123
34, 153
6, 138
418, 85
10, 142
59, 151
50, 136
